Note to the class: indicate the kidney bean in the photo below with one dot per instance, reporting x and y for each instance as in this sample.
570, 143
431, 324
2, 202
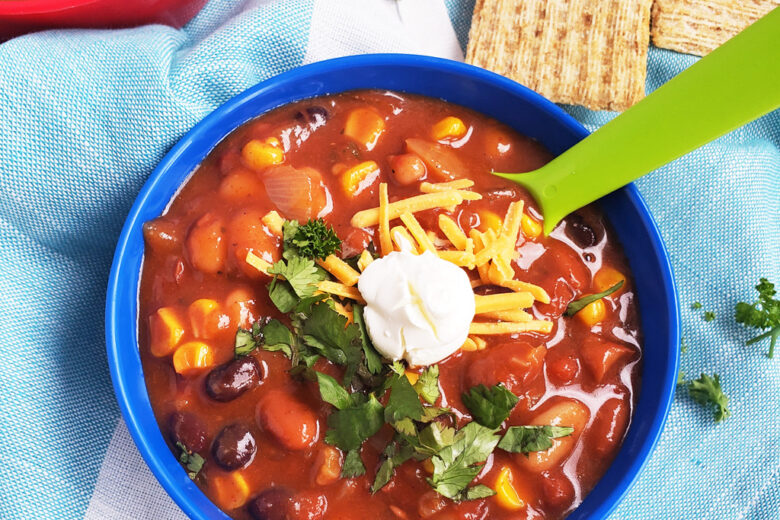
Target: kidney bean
188, 430
271, 504
235, 447
292, 422
315, 116
229, 381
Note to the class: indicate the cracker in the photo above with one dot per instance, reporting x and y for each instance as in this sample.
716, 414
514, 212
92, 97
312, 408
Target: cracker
699, 26
583, 52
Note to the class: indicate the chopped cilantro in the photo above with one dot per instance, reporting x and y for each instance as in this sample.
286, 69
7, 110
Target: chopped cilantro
190, 460
707, 391
455, 466
348, 428
404, 403
277, 338
763, 314
489, 406
313, 240
396, 453
708, 316
525, 439
353, 465
332, 392
301, 273
372, 357
577, 305
683, 346
696, 305
245, 343
427, 384
282, 295
327, 332
434, 438
680, 378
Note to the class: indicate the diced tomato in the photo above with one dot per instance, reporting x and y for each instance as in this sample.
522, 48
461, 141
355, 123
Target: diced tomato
247, 232
356, 241
599, 356
562, 369
514, 364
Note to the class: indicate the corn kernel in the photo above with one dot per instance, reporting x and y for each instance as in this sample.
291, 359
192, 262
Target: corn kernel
606, 278
531, 228
205, 318
449, 127
192, 357
412, 376
260, 155
427, 465
359, 177
273, 141
506, 494
592, 313
230, 491
166, 330
488, 220
364, 126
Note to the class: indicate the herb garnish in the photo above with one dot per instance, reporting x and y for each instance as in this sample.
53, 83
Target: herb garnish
577, 305
708, 316
707, 391
190, 460
489, 406
525, 439
427, 384
764, 313
314, 240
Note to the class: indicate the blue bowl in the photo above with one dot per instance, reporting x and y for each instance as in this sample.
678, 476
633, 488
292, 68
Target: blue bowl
488, 93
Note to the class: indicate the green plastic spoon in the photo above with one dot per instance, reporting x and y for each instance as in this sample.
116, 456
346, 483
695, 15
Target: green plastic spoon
733, 85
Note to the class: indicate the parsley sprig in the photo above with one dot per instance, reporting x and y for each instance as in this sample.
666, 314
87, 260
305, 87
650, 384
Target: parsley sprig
762, 314
313, 240
706, 390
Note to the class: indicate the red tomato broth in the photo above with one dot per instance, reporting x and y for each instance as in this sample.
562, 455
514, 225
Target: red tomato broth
564, 264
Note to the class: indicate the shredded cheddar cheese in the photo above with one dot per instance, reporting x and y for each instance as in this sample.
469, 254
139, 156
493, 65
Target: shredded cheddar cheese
503, 301
385, 243
340, 269
273, 222
418, 232
427, 187
257, 262
440, 199
403, 240
507, 327
339, 289
453, 232
364, 260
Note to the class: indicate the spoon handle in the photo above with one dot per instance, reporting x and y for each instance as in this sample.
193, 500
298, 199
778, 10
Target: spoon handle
733, 85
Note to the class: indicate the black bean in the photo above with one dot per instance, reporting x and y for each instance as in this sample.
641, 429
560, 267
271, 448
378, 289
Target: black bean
234, 447
230, 380
188, 430
579, 231
271, 504
314, 116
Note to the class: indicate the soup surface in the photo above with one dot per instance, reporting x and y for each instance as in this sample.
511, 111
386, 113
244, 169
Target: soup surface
265, 380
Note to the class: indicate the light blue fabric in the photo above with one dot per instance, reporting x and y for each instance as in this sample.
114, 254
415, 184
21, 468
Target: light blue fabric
86, 115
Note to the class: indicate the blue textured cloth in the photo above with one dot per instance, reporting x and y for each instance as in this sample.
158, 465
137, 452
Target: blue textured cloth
86, 115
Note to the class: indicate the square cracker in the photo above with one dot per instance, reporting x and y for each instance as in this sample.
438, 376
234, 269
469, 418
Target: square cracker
699, 26
582, 52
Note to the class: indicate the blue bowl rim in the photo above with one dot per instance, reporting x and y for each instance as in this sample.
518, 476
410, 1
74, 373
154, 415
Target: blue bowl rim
161, 468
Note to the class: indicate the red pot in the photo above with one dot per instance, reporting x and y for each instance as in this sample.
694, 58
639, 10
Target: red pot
21, 16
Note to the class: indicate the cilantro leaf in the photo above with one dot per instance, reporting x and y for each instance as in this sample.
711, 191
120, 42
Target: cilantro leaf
193, 462
403, 402
680, 378
427, 384
277, 338
577, 305
456, 465
433, 439
396, 453
707, 391
764, 313
245, 343
353, 465
282, 295
525, 439
348, 428
315, 239
489, 406
696, 305
332, 392
301, 273
708, 316
327, 332
477, 492
372, 357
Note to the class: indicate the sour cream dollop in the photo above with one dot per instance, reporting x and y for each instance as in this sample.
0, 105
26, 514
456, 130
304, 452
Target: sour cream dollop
418, 307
